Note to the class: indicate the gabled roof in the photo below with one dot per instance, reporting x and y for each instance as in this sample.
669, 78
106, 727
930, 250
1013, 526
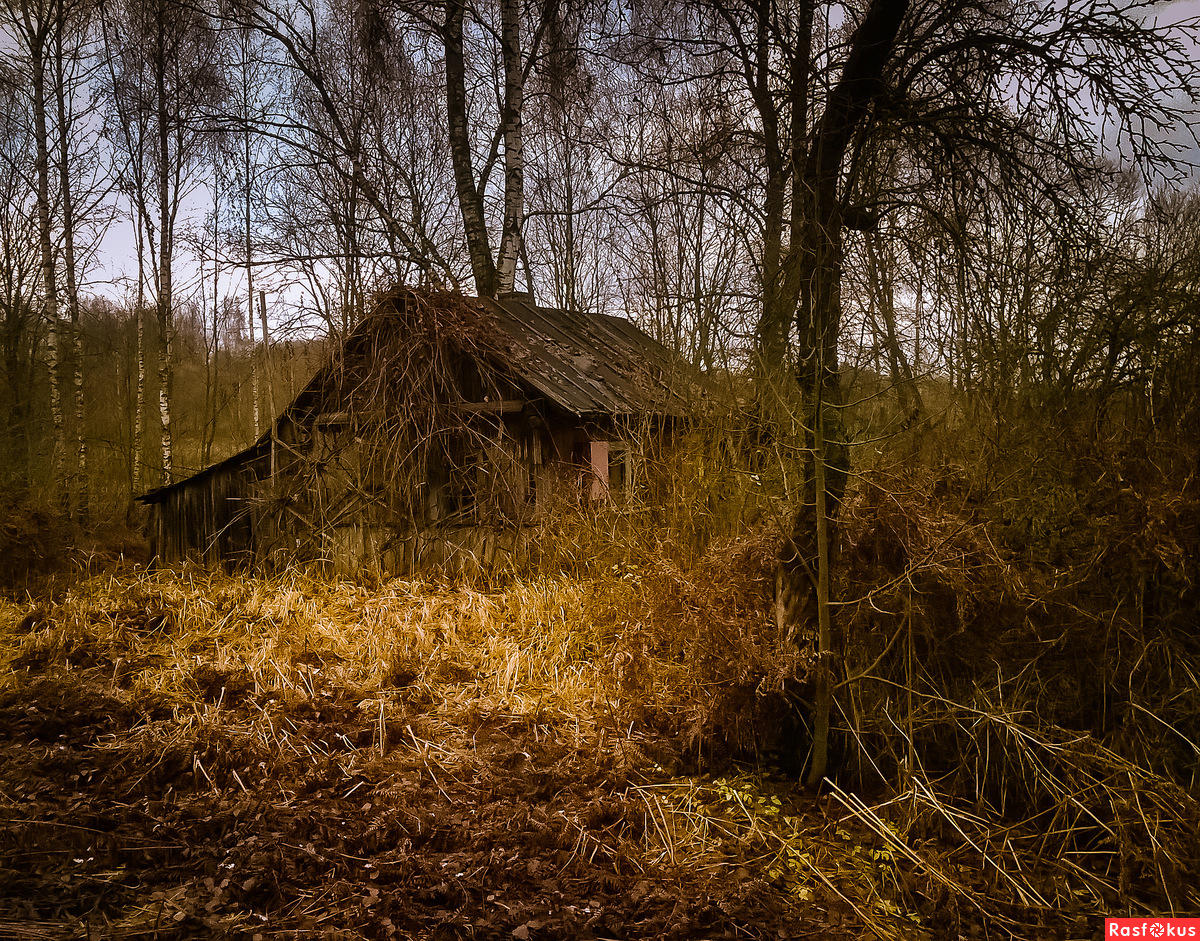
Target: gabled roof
589, 365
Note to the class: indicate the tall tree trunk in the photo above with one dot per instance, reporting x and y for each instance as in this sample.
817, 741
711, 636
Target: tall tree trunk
164, 368
569, 295
134, 142
165, 248
36, 35
18, 398
248, 246
269, 377
823, 686
254, 391
514, 156
79, 475
139, 406
813, 271
470, 199
814, 530
212, 373
778, 309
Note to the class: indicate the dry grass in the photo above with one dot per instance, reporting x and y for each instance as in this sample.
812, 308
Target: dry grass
223, 754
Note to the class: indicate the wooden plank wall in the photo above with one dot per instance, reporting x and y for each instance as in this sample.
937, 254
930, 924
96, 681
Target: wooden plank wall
207, 520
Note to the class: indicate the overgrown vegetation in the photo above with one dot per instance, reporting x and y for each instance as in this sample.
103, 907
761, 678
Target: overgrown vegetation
596, 747
897, 639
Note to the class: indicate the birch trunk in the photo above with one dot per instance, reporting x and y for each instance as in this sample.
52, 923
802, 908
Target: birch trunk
139, 408
514, 157
254, 391
165, 245
470, 199
213, 351
164, 369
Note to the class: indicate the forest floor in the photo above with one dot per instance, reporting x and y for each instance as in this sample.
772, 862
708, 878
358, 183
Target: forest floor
185, 754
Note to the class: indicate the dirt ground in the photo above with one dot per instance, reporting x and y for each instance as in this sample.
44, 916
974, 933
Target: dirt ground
226, 758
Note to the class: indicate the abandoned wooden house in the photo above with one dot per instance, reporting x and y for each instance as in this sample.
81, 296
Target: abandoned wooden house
437, 435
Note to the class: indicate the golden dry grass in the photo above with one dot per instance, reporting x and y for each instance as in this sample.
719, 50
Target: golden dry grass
474, 714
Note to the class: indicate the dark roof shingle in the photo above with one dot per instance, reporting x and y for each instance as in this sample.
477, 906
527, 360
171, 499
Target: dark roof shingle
592, 364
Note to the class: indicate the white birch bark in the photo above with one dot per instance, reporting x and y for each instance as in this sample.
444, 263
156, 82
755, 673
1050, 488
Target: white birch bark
514, 157
139, 408
254, 390
165, 246
212, 346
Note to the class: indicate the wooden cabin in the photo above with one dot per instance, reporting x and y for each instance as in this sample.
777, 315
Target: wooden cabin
438, 434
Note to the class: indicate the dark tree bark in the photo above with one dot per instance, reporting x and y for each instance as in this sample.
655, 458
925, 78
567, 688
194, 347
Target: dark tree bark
33, 29
813, 273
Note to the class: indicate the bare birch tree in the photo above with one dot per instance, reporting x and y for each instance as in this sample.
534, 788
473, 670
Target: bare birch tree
166, 65
33, 28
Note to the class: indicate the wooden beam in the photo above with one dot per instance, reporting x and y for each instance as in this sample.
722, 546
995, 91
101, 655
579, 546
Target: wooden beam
499, 407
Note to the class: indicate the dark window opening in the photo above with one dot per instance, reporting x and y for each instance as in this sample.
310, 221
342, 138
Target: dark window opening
619, 470
580, 459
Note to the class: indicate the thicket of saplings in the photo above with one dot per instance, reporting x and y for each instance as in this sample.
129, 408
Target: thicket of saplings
1017, 602
1018, 706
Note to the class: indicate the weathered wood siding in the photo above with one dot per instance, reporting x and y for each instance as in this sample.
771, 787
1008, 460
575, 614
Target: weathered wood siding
210, 519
